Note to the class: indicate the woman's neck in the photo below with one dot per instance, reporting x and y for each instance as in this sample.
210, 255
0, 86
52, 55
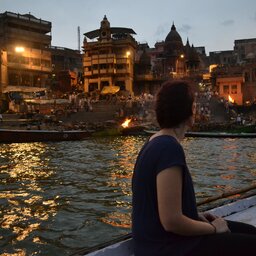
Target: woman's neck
177, 132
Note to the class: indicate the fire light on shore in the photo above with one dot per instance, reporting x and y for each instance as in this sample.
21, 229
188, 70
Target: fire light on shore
125, 124
230, 99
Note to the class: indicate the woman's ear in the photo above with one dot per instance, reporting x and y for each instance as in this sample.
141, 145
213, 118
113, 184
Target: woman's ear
190, 122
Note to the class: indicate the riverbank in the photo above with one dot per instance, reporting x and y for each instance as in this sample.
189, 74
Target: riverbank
106, 119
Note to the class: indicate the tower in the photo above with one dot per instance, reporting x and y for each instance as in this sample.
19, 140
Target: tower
105, 31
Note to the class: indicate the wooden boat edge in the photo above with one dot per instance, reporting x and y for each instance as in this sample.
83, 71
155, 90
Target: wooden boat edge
117, 248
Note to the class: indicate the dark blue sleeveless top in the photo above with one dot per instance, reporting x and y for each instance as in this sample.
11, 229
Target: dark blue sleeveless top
150, 238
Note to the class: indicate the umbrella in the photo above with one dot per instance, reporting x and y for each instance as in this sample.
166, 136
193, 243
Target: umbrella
111, 89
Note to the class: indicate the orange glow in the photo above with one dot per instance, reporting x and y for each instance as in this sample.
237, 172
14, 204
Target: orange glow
230, 99
125, 124
19, 49
118, 219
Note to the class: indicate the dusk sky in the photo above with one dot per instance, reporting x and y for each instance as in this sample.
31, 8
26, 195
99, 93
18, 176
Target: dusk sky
214, 24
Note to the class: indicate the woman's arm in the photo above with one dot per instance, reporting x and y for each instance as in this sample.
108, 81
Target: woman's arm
169, 193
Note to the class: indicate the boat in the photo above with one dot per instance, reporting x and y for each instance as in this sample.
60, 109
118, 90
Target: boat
220, 135
242, 209
212, 134
17, 136
134, 130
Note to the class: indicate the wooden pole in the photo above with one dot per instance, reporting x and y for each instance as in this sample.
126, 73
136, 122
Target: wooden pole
226, 194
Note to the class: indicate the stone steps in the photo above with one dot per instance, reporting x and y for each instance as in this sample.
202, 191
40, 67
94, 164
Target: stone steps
101, 112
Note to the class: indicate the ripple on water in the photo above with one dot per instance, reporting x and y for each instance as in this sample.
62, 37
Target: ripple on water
58, 197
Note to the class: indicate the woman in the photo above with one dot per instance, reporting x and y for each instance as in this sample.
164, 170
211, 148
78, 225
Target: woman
165, 220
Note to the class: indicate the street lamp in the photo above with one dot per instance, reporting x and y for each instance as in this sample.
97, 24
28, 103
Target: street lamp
19, 50
180, 65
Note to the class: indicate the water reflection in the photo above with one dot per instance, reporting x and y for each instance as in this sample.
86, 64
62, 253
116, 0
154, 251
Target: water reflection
120, 174
23, 204
219, 165
58, 197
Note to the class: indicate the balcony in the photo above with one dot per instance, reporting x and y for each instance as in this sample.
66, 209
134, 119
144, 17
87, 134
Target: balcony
22, 67
87, 64
104, 56
108, 71
95, 72
122, 61
99, 59
112, 71
24, 35
103, 71
87, 59
46, 69
88, 73
122, 71
94, 62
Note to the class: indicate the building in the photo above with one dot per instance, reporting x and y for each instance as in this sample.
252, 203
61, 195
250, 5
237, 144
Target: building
169, 59
109, 59
25, 54
236, 83
173, 59
145, 81
67, 70
245, 50
230, 88
222, 57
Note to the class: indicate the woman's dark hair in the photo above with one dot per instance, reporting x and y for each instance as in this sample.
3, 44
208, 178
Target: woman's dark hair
174, 103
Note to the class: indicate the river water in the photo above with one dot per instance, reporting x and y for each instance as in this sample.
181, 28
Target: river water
56, 198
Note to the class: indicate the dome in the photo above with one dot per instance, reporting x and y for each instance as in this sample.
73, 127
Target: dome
173, 45
173, 36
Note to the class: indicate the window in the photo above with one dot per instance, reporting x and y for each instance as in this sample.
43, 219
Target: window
35, 62
121, 66
225, 89
234, 89
103, 66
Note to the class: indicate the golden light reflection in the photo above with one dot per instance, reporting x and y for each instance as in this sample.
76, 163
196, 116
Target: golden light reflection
30, 168
26, 169
33, 199
222, 188
17, 253
117, 219
24, 232
120, 178
8, 220
228, 177
121, 175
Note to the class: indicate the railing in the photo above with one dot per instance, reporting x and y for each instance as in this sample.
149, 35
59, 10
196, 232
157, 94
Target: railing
33, 36
23, 17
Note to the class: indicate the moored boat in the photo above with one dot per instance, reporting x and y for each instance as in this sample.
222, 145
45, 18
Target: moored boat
243, 210
212, 134
220, 135
17, 136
